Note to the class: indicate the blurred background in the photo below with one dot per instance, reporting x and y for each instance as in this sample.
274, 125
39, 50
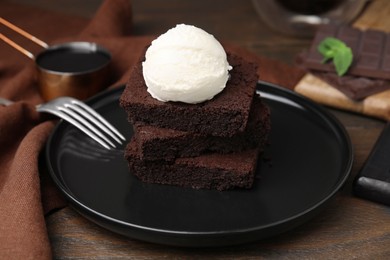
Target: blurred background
218, 17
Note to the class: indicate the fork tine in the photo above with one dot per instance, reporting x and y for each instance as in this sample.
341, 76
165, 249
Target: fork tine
68, 110
84, 118
5, 102
92, 115
76, 123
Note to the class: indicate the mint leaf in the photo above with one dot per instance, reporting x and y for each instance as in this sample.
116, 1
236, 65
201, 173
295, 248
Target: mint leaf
342, 60
332, 48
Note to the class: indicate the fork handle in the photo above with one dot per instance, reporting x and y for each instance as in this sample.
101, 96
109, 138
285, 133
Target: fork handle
5, 102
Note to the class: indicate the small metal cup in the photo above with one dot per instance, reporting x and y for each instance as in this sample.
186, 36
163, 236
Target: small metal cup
81, 83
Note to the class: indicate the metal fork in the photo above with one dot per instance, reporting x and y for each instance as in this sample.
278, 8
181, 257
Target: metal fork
83, 117
5, 102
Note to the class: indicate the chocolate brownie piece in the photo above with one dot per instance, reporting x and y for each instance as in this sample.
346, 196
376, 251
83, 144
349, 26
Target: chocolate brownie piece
224, 115
208, 171
155, 143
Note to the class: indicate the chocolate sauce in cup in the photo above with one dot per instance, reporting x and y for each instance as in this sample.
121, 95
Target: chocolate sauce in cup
70, 59
77, 69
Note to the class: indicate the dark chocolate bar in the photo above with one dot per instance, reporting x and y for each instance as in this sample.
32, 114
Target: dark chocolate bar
370, 48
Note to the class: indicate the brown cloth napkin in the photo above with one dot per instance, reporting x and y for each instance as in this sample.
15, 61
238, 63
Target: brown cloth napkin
26, 190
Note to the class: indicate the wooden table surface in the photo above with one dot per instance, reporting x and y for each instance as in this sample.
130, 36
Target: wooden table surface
349, 227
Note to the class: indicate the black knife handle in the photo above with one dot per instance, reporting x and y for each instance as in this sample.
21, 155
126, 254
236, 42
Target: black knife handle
373, 180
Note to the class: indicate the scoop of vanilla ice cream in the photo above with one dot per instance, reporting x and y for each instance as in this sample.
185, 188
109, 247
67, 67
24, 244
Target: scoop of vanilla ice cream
185, 64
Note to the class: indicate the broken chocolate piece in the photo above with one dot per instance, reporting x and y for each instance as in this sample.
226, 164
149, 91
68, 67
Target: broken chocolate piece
356, 88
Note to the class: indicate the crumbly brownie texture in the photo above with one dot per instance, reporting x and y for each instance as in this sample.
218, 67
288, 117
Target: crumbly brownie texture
155, 143
208, 171
224, 115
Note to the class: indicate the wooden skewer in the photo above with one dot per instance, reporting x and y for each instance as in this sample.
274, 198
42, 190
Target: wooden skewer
24, 33
17, 46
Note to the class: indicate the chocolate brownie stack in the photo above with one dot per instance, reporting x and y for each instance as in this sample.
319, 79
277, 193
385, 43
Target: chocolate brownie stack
211, 145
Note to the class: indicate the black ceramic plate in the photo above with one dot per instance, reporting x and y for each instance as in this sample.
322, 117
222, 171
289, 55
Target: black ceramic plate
309, 159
